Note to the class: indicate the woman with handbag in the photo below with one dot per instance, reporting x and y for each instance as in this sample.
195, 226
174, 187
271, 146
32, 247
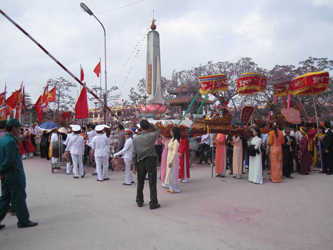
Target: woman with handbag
127, 156
255, 162
276, 139
76, 148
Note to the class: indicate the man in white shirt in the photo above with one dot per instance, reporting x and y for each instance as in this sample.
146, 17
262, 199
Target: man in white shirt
126, 152
100, 145
76, 148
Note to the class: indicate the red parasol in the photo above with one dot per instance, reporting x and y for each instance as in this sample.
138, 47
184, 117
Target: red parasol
213, 84
311, 83
250, 83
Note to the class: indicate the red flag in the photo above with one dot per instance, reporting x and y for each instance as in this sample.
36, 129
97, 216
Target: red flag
38, 107
12, 100
82, 75
81, 107
51, 95
97, 69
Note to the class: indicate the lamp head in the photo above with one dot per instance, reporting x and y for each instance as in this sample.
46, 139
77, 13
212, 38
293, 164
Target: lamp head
86, 9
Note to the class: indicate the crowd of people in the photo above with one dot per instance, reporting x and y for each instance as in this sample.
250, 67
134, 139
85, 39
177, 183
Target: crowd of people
282, 152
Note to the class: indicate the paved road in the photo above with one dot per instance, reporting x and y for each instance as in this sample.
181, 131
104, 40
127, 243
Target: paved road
209, 213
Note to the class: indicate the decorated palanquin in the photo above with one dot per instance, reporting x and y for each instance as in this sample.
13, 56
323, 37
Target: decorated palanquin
310, 83
250, 83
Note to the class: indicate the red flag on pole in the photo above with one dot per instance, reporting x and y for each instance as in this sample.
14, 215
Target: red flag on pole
12, 100
81, 75
38, 107
51, 95
97, 69
81, 107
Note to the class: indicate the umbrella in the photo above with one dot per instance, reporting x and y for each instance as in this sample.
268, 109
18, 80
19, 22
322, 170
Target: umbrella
312, 83
250, 83
48, 125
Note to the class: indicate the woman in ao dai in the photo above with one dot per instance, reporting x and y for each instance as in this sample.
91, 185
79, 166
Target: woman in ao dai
255, 162
171, 177
237, 158
76, 148
165, 142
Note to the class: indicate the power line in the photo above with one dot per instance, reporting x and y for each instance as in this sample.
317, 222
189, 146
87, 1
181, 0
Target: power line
121, 7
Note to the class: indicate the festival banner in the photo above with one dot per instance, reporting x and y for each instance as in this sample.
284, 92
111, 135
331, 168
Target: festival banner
250, 83
213, 84
310, 83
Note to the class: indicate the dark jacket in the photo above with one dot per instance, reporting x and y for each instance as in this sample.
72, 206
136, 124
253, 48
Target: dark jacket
286, 147
328, 141
11, 161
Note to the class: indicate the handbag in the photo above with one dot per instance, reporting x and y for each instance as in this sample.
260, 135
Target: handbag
252, 151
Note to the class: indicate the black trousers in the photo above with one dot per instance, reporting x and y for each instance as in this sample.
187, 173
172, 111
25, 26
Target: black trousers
14, 193
328, 162
229, 158
86, 153
288, 164
147, 165
204, 147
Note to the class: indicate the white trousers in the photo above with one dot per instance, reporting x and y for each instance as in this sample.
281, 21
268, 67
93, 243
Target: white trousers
128, 173
102, 160
77, 162
68, 168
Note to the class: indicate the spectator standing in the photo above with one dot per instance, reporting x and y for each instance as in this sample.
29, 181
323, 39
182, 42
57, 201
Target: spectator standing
144, 159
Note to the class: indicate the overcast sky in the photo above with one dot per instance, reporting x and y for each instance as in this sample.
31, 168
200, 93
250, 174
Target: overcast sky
192, 32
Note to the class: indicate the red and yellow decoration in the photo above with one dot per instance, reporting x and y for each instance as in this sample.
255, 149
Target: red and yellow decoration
249, 83
280, 88
310, 83
213, 84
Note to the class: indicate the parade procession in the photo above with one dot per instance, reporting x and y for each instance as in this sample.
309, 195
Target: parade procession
223, 147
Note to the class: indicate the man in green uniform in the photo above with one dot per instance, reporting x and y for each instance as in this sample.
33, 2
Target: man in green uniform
13, 177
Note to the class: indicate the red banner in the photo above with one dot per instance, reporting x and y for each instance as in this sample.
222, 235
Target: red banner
310, 83
38, 107
250, 83
213, 84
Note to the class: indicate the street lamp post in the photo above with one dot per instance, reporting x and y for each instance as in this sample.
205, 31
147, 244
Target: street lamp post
90, 13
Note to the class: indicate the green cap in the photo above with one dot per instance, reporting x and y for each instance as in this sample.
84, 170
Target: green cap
14, 123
